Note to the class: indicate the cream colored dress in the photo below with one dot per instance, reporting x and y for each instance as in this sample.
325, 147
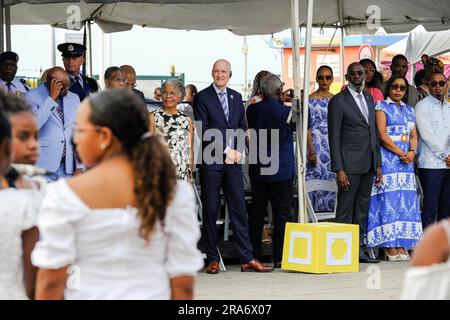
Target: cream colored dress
429, 282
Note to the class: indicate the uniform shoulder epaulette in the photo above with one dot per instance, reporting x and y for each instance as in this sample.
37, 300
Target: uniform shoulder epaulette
25, 84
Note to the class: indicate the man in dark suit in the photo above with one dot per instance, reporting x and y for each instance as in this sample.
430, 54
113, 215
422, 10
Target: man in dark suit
221, 111
355, 151
130, 76
73, 58
271, 180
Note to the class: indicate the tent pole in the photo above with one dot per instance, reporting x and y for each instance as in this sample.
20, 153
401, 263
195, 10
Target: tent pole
2, 38
295, 22
89, 30
306, 88
52, 47
341, 48
8, 27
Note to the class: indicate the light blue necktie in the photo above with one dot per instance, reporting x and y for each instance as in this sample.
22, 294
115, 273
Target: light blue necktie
224, 102
364, 110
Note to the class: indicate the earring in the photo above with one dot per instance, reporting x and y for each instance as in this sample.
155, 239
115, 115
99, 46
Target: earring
102, 146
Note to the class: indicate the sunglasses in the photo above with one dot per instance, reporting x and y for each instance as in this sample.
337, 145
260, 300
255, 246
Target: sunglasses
441, 83
354, 73
400, 87
321, 78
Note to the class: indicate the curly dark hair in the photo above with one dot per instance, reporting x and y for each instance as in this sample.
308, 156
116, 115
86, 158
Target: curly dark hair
12, 104
154, 172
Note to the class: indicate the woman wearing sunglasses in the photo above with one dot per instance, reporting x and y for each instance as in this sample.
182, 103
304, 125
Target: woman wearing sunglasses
394, 221
319, 165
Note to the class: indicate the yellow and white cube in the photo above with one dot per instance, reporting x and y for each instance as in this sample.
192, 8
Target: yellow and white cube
321, 247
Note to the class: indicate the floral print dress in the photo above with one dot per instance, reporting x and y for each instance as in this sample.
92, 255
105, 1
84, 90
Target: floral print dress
174, 131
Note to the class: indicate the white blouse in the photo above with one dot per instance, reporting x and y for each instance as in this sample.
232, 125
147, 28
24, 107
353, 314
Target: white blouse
107, 257
429, 282
18, 212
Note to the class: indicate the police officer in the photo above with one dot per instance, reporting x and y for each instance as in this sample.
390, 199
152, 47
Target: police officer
8, 69
73, 58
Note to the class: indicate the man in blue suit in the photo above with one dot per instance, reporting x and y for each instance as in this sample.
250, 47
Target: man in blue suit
221, 108
55, 108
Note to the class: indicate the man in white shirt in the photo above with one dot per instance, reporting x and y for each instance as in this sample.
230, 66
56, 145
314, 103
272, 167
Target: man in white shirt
433, 126
8, 69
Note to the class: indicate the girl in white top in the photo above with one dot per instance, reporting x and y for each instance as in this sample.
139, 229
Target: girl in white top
125, 229
429, 277
19, 198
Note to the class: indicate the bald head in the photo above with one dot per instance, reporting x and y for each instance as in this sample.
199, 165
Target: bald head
55, 75
130, 75
59, 74
221, 73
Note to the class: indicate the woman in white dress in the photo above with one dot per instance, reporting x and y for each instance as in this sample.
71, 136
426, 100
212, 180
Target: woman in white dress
126, 229
17, 221
429, 276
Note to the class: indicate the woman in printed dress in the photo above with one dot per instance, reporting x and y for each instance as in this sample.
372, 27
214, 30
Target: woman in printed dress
319, 164
394, 221
175, 128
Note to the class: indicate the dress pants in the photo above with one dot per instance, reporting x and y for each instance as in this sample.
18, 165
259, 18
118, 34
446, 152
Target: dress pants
280, 194
353, 204
230, 179
436, 195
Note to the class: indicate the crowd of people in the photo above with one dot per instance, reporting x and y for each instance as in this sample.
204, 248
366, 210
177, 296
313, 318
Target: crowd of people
115, 216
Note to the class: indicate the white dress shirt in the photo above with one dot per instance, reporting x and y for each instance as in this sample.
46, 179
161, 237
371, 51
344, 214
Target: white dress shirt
433, 126
364, 109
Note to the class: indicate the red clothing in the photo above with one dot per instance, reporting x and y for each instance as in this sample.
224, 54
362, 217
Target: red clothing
375, 92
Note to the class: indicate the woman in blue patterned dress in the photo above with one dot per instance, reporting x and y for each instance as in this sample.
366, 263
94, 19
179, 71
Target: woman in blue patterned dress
319, 164
394, 221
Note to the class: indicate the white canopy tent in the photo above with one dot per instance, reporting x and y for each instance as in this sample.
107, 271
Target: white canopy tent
432, 43
242, 17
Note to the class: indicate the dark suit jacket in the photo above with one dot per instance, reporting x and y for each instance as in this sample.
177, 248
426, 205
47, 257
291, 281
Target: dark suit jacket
354, 144
209, 111
139, 93
271, 114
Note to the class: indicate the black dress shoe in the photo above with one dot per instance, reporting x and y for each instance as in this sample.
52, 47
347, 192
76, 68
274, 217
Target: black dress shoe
367, 259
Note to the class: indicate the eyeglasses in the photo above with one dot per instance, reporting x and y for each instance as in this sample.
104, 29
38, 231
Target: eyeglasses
119, 80
356, 73
400, 87
441, 83
321, 78
76, 129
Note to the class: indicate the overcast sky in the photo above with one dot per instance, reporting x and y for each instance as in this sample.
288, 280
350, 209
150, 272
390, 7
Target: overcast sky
153, 51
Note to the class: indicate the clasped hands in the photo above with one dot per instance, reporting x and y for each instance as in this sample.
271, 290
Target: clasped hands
233, 156
407, 157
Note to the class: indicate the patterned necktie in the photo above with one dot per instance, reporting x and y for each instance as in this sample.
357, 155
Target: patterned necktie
363, 107
224, 102
60, 111
9, 84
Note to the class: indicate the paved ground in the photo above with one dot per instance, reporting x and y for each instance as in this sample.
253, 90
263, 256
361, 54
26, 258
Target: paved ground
384, 282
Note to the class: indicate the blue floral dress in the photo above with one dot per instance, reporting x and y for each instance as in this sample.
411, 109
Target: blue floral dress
394, 216
322, 201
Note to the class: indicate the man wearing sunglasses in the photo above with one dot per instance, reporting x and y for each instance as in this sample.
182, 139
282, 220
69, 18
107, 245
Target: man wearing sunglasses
55, 108
355, 152
433, 125
130, 76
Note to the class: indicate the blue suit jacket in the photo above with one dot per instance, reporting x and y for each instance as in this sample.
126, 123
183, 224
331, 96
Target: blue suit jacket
271, 114
52, 132
208, 110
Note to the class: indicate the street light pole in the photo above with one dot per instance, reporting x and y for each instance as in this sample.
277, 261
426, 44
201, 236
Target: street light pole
245, 52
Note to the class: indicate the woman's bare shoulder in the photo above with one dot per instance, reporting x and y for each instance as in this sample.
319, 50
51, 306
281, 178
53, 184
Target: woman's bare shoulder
432, 248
